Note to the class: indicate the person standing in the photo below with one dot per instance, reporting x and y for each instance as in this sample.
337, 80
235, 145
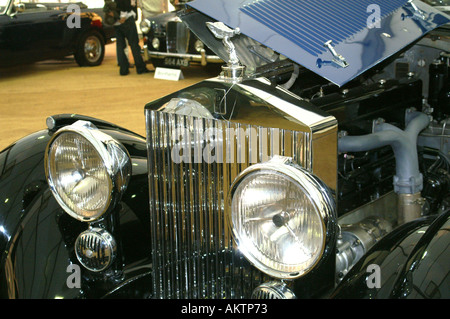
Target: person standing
126, 29
152, 8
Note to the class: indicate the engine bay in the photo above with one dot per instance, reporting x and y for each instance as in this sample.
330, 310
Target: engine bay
414, 80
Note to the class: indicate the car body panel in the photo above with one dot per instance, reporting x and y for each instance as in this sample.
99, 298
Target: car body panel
413, 264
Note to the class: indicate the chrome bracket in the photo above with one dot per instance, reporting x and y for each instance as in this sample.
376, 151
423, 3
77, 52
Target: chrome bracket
417, 12
337, 58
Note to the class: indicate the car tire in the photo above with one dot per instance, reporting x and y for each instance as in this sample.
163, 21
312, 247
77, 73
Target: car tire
90, 49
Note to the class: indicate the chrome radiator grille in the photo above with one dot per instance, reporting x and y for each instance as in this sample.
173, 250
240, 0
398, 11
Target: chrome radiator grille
177, 37
193, 251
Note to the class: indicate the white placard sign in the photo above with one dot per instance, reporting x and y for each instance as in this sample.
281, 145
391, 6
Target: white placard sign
168, 74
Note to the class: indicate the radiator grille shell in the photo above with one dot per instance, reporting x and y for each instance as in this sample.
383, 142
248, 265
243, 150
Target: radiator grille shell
193, 251
177, 37
192, 163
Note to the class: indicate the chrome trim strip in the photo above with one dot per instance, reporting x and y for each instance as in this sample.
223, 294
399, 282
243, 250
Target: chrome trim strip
191, 57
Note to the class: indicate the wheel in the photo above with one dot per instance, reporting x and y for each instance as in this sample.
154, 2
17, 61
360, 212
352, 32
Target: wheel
90, 49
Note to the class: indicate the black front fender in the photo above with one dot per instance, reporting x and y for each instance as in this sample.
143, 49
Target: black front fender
413, 262
37, 236
22, 176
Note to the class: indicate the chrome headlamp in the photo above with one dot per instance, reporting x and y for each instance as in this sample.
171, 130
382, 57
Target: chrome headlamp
282, 217
86, 169
145, 26
155, 43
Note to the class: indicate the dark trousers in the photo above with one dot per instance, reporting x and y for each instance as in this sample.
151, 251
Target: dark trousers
127, 30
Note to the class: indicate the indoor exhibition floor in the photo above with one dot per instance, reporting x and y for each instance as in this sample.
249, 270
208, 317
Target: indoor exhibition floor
31, 93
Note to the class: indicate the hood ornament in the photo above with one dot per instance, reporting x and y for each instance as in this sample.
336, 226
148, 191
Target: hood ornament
234, 70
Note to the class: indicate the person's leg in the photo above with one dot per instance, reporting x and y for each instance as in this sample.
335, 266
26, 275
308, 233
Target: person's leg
133, 41
127, 53
121, 44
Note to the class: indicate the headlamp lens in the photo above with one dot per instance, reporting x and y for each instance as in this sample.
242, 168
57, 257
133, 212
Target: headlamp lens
78, 176
276, 223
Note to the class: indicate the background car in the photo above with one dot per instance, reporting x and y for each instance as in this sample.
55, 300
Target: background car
169, 43
36, 31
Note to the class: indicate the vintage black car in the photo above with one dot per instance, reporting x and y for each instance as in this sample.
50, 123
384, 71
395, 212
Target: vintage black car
316, 165
169, 43
32, 31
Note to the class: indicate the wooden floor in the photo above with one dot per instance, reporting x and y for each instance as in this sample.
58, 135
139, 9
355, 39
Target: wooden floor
31, 93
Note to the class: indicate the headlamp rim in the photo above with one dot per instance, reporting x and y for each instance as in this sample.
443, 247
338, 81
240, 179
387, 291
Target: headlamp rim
308, 182
107, 148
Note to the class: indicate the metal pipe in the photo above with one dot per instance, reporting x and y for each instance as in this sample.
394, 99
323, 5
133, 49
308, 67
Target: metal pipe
408, 179
409, 207
293, 77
